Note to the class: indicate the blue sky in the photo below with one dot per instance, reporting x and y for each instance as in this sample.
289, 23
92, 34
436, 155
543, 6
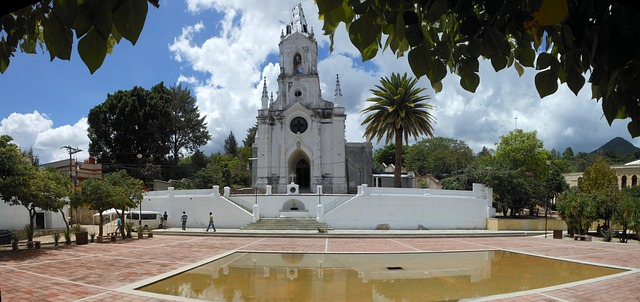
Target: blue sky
222, 49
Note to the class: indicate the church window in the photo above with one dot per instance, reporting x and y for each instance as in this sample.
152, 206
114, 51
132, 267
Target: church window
297, 63
298, 93
299, 125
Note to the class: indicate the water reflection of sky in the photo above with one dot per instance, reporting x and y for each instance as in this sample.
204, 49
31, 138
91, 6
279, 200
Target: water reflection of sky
371, 277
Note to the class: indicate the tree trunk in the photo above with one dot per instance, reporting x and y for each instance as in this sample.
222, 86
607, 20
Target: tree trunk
100, 226
397, 172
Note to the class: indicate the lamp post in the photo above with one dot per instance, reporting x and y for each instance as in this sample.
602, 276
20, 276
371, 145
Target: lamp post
546, 199
140, 207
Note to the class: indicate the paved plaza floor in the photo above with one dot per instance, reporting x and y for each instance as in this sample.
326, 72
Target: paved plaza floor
101, 272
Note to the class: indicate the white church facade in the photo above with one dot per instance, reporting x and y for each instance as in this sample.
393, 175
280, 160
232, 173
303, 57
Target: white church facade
301, 137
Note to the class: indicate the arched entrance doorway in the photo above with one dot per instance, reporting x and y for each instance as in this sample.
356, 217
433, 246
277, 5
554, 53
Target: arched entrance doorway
303, 172
300, 168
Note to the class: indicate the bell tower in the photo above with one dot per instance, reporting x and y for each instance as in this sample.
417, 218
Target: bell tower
301, 137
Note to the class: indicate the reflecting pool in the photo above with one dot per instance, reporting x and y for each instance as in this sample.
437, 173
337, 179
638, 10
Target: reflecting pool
372, 277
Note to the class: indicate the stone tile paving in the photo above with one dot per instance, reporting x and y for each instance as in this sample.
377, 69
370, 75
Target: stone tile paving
96, 272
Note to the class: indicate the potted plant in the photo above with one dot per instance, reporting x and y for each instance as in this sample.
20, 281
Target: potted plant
93, 236
27, 231
82, 236
128, 228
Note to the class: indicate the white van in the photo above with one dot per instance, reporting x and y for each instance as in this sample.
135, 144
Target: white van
152, 219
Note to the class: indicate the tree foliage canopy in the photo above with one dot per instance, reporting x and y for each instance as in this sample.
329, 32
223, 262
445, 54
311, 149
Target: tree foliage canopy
51, 24
523, 151
398, 110
138, 127
567, 41
438, 156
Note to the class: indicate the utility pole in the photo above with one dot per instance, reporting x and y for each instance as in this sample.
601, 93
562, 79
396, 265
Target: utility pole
71, 151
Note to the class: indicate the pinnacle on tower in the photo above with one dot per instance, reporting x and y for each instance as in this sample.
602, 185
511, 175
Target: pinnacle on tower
265, 94
298, 21
338, 93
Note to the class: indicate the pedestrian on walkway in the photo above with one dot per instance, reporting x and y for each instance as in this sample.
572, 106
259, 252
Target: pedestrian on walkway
184, 220
164, 219
211, 222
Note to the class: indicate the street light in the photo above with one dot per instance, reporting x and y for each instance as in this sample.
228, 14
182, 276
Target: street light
140, 207
546, 199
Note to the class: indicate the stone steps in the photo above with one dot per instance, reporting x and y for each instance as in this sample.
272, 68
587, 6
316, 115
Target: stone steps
287, 224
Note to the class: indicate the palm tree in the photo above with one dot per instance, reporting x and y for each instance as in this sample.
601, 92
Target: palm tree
397, 111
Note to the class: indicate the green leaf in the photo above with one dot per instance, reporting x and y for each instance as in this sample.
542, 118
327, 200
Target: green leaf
437, 87
92, 49
84, 20
519, 69
499, 62
470, 81
546, 83
544, 61
419, 60
326, 6
634, 128
58, 38
414, 35
103, 17
436, 10
525, 55
575, 81
364, 33
66, 10
129, 19
437, 72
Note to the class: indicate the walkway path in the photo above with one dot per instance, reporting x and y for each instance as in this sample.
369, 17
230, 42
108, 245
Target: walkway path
98, 272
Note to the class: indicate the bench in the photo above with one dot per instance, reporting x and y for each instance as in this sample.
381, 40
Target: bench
28, 244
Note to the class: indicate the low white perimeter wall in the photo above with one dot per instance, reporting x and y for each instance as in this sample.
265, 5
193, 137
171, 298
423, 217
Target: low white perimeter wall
197, 204
408, 208
16, 217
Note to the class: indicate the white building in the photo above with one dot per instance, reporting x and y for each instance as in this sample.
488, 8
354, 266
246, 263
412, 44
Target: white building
301, 137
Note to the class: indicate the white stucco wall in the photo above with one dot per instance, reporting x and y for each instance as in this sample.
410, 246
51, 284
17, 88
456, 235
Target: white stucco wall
400, 208
197, 204
16, 217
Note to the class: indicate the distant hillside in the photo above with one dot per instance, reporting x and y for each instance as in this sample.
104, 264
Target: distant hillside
619, 146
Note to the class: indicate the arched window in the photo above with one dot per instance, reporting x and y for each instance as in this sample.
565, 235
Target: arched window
297, 64
634, 180
624, 181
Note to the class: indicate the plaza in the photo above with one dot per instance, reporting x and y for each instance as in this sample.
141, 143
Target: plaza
103, 272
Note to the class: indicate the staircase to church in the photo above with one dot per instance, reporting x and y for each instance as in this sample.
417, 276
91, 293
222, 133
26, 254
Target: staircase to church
298, 224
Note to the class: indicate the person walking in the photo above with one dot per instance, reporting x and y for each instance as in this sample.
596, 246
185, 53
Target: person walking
164, 219
184, 220
211, 225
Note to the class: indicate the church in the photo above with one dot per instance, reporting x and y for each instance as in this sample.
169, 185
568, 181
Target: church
301, 137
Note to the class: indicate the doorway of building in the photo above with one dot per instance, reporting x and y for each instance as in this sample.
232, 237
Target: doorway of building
303, 175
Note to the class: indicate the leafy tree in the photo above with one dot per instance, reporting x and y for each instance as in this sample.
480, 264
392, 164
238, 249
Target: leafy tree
438, 156
98, 26
99, 195
15, 170
131, 123
56, 192
572, 39
398, 111
627, 214
128, 193
568, 153
578, 210
251, 136
230, 145
601, 181
523, 150
385, 155
199, 160
138, 127
187, 131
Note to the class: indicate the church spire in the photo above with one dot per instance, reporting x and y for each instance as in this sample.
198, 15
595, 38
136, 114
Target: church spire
298, 21
338, 94
265, 94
